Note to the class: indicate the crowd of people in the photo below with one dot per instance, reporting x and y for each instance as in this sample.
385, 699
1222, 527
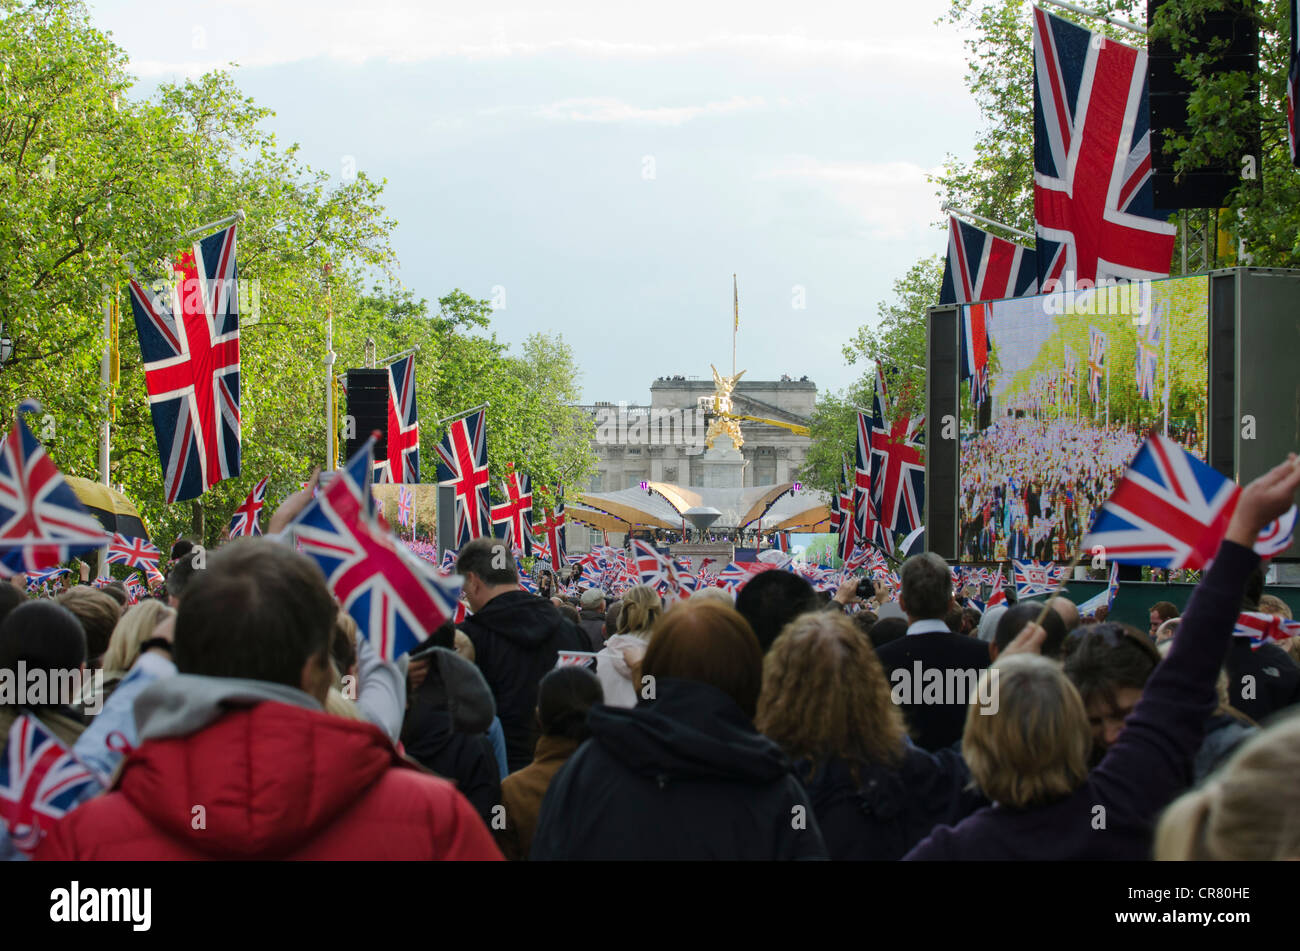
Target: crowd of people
1030, 487
243, 715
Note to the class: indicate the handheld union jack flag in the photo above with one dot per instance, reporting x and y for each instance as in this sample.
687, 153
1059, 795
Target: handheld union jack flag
1096, 362
998, 594
132, 552
983, 267
245, 520
396, 598
656, 571
897, 464
1260, 628
1106, 598
42, 522
1170, 510
405, 505
575, 659
190, 346
40, 781
402, 463
1093, 196
511, 519
463, 463
36, 579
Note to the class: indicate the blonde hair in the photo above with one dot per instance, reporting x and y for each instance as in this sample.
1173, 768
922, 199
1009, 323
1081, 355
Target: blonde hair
1034, 748
134, 628
825, 695
340, 706
1246, 810
641, 609
1272, 604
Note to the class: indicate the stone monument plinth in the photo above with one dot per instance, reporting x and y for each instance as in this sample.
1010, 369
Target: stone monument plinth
723, 464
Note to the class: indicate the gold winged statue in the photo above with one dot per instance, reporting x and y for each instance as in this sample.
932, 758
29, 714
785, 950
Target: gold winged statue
721, 423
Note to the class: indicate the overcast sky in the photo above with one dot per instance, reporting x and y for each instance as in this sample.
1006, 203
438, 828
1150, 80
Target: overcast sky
602, 169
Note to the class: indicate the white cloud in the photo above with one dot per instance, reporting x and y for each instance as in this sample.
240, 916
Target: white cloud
893, 200
615, 110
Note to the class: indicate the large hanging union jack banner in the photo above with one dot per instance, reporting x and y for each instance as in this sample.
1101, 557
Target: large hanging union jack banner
463, 463
189, 341
897, 464
1092, 160
403, 461
511, 519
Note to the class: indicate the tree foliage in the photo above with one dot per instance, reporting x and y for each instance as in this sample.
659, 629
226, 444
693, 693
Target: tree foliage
97, 184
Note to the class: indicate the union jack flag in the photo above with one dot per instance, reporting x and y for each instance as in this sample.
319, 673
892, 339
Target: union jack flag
1259, 628
575, 659
245, 520
190, 348
463, 463
1106, 597
1093, 202
897, 465
983, 267
42, 522
132, 552
1171, 510
553, 527
405, 505
396, 598
36, 579
135, 588
40, 782
867, 528
448, 566
402, 461
1033, 578
1096, 362
510, 519
998, 594
656, 571
1148, 358
1071, 373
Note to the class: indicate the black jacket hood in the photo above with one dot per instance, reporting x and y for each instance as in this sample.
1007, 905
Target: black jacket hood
690, 731
520, 617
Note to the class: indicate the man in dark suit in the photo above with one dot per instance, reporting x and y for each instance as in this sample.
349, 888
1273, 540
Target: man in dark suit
932, 672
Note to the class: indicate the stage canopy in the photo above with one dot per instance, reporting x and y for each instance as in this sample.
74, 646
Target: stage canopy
663, 505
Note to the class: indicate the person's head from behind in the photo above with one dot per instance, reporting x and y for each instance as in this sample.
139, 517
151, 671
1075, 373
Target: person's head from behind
1272, 604
98, 614
887, 629
926, 587
1067, 611
42, 635
1160, 612
488, 569
10, 598
825, 695
1246, 811
1166, 631
1031, 747
642, 607
136, 626
1109, 665
709, 644
564, 696
970, 621
178, 578
260, 611
772, 599
117, 591
716, 595
1013, 621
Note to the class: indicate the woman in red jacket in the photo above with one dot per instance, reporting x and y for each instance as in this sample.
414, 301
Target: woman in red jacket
237, 758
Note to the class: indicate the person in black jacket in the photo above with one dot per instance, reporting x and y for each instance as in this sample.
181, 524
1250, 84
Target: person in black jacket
1261, 680
516, 637
825, 700
931, 670
446, 728
683, 775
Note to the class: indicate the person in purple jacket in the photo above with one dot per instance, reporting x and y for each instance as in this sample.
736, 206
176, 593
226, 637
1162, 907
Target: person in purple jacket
1030, 756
